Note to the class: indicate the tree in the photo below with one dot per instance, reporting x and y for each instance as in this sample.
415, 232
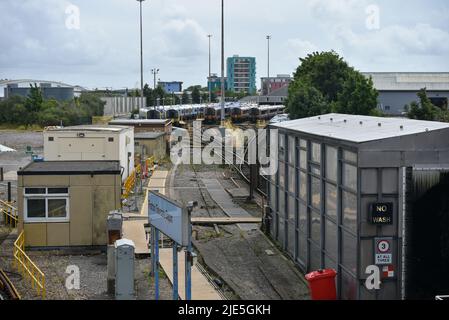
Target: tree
196, 95
185, 97
324, 82
35, 99
424, 110
357, 96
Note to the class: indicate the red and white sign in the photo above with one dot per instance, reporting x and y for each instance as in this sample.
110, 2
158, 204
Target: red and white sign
383, 255
388, 271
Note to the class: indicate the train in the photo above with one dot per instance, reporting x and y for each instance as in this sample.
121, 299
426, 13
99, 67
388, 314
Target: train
211, 113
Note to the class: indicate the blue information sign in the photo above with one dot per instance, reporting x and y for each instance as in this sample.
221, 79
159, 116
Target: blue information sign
169, 218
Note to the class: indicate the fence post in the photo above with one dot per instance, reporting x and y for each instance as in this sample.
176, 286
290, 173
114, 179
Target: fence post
9, 192
1, 174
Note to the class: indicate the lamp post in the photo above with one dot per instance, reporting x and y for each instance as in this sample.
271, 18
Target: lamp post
222, 66
141, 56
208, 84
155, 72
268, 79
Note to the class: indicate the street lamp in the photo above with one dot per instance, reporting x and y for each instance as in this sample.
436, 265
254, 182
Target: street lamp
155, 72
208, 84
268, 79
141, 56
222, 66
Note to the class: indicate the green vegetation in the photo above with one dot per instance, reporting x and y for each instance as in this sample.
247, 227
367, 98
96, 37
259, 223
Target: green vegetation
34, 110
425, 110
325, 83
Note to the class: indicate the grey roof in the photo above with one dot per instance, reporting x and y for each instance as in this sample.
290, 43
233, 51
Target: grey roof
70, 168
102, 128
409, 81
360, 129
139, 122
148, 135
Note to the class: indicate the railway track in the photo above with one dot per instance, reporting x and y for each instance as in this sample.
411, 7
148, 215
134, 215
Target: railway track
7, 289
239, 165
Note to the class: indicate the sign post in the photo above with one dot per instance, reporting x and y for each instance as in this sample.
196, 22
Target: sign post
171, 219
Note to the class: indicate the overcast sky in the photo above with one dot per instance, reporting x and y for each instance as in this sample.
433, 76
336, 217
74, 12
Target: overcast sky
39, 40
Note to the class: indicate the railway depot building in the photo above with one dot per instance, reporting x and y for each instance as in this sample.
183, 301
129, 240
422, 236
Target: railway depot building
356, 191
66, 203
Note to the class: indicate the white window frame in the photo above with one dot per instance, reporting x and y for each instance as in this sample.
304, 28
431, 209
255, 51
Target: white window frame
45, 196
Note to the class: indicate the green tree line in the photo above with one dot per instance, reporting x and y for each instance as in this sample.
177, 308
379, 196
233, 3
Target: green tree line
35, 110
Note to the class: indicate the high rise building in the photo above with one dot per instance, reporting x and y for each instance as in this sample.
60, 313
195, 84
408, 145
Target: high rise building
242, 74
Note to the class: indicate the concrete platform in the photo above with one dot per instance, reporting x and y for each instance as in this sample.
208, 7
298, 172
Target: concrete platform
134, 230
201, 288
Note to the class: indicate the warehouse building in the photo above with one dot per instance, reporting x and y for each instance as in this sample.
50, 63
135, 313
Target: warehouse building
66, 203
91, 143
398, 89
357, 191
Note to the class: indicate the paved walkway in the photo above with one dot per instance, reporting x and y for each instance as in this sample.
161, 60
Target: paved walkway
201, 288
225, 202
134, 226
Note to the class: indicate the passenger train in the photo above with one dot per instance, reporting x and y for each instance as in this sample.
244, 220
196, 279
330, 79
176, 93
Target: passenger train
211, 113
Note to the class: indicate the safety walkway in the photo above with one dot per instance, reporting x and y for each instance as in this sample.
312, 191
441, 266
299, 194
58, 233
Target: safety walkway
201, 288
225, 202
134, 224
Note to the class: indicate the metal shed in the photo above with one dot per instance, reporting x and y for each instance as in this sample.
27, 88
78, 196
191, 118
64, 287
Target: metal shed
348, 185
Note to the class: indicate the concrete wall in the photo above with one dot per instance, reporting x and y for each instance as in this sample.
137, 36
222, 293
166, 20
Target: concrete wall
118, 106
91, 198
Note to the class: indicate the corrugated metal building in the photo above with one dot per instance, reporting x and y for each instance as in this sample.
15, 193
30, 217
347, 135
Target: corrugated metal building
397, 89
335, 172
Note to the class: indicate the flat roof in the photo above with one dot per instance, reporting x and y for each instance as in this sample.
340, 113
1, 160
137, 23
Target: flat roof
148, 135
139, 122
359, 129
96, 128
71, 168
409, 81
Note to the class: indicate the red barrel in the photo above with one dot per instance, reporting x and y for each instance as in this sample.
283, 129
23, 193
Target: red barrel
322, 284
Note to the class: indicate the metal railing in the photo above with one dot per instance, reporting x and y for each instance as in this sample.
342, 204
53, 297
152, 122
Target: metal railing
130, 182
27, 268
10, 214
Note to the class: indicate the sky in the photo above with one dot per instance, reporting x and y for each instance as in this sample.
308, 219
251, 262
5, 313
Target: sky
95, 43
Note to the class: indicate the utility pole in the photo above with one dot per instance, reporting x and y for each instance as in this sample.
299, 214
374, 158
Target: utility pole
268, 79
141, 56
223, 95
208, 80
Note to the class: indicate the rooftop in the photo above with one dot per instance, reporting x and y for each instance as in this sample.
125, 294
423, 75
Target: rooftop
409, 81
360, 129
71, 168
139, 122
97, 128
148, 135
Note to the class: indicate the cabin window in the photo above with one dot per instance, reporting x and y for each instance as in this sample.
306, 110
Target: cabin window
46, 205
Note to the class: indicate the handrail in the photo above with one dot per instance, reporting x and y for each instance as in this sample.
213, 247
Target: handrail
128, 186
10, 214
27, 268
